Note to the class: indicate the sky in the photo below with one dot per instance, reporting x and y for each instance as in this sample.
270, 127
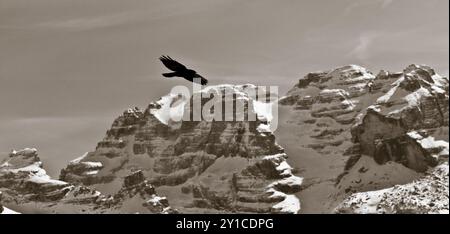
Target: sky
69, 67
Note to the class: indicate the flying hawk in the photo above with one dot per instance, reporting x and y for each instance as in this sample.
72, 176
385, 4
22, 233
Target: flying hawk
179, 70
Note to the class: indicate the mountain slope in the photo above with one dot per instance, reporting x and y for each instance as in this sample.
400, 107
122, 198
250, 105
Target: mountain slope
355, 130
428, 194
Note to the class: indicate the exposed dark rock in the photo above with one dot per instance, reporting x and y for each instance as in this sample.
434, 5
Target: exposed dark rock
1, 198
135, 178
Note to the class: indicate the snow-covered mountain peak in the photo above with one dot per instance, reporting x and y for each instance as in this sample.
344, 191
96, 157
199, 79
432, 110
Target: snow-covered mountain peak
389, 129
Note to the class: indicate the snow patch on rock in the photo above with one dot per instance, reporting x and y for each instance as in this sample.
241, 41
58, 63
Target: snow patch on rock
263, 128
37, 174
386, 97
167, 111
77, 160
8, 211
426, 195
430, 143
263, 110
290, 203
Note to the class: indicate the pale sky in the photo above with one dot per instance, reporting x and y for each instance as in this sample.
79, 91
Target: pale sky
69, 67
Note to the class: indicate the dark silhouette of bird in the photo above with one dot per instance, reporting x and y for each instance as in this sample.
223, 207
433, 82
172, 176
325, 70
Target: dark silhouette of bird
179, 70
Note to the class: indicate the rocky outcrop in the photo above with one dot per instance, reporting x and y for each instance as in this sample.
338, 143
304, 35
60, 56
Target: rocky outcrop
332, 101
81, 171
23, 182
397, 120
427, 195
22, 172
266, 186
136, 187
180, 154
418, 100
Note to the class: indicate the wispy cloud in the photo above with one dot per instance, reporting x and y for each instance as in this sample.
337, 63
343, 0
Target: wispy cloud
386, 3
364, 3
144, 12
87, 23
362, 49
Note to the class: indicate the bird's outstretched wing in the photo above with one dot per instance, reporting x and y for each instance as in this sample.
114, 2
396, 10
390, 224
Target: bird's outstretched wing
172, 64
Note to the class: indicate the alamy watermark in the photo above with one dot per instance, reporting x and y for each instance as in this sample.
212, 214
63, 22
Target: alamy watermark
226, 103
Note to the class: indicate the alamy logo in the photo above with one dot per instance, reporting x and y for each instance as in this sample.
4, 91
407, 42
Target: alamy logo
231, 103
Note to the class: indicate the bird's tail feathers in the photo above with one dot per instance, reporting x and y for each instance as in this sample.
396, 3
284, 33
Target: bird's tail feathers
204, 81
201, 80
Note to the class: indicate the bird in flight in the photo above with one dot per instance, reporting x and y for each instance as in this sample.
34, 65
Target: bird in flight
179, 70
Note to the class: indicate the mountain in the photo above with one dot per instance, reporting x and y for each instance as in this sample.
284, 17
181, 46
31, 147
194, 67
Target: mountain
340, 141
201, 166
349, 131
26, 187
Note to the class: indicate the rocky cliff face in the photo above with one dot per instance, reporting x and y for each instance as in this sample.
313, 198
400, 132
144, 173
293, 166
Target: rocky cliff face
208, 166
417, 101
368, 132
25, 184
